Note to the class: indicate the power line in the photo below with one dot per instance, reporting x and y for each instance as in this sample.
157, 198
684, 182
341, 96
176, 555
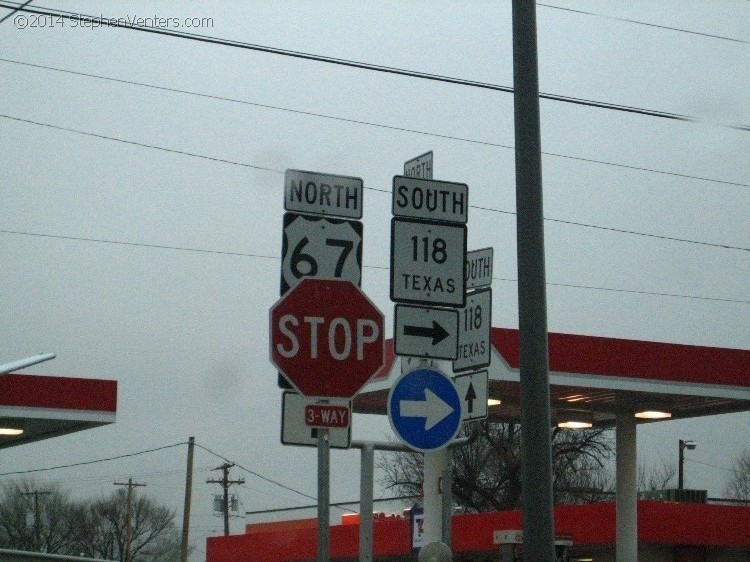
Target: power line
140, 144
336, 504
372, 67
256, 474
15, 10
360, 122
708, 464
129, 455
92, 462
648, 24
649, 235
139, 244
255, 104
249, 255
489, 209
649, 293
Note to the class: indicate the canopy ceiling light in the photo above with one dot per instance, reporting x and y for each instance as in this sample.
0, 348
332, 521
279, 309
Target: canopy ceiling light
653, 414
650, 410
494, 402
575, 420
10, 431
575, 398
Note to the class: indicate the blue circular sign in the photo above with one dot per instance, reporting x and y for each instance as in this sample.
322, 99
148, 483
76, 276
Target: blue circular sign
424, 409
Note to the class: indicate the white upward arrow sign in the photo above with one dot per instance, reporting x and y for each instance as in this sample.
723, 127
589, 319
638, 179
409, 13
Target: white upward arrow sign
433, 409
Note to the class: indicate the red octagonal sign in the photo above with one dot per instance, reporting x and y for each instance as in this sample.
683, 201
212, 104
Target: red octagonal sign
327, 338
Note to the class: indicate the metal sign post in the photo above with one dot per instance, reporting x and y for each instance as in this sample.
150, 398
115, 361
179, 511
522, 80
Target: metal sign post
326, 336
324, 482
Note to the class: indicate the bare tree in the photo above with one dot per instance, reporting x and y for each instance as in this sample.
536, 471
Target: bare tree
660, 477
487, 471
154, 537
36, 518
91, 528
738, 485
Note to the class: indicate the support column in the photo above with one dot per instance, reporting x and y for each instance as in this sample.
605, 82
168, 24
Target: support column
447, 495
433, 499
366, 481
627, 488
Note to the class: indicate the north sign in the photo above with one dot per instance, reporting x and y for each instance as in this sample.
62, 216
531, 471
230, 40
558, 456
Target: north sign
326, 338
424, 409
426, 332
323, 194
430, 199
428, 262
419, 167
320, 247
474, 334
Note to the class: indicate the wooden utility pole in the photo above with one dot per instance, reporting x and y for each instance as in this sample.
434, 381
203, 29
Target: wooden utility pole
37, 519
128, 531
188, 494
225, 483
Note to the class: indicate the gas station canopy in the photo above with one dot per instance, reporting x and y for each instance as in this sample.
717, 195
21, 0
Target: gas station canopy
600, 377
35, 407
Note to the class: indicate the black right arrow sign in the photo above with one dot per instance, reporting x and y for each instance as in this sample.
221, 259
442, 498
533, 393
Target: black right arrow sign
422, 331
436, 332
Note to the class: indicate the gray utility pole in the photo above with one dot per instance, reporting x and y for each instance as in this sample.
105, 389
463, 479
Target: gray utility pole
128, 514
538, 524
225, 483
37, 518
188, 494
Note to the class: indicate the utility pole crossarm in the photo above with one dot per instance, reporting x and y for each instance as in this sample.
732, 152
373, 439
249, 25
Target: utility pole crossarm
128, 531
225, 483
37, 518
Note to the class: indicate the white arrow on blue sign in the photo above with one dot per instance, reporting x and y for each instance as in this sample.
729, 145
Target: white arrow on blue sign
424, 409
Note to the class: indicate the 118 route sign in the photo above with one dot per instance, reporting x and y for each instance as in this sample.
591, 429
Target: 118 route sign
428, 262
326, 338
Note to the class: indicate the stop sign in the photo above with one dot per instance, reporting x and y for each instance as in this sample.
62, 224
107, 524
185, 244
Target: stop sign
327, 338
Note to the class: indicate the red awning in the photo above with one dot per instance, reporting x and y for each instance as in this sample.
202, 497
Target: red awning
44, 406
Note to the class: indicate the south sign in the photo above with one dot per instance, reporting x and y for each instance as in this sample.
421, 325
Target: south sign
430, 199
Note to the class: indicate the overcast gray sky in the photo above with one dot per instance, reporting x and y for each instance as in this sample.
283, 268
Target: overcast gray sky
184, 329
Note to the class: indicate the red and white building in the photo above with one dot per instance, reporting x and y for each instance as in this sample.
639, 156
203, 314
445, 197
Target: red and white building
610, 382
